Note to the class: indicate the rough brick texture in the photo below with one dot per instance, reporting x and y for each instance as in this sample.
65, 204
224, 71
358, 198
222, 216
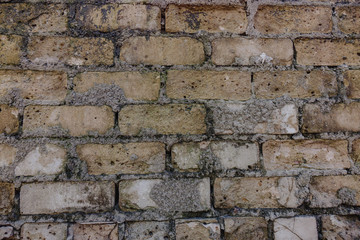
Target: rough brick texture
179, 119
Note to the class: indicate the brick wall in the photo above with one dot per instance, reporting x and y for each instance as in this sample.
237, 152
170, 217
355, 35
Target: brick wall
180, 119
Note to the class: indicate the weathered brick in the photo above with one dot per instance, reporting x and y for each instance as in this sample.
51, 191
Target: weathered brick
34, 85
95, 231
135, 85
7, 194
349, 19
9, 119
295, 228
58, 197
244, 118
187, 18
48, 231
162, 51
295, 84
7, 155
184, 195
356, 151
340, 117
147, 230
166, 119
244, 51
110, 17
251, 192
47, 159
36, 18
67, 120
340, 227
10, 49
352, 83
229, 85
6, 232
306, 154
328, 51
331, 191
245, 228
271, 19
197, 229
226, 155
129, 158
71, 51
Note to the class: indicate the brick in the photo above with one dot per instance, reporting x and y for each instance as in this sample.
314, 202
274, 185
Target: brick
340, 227
352, 83
127, 158
6, 232
47, 159
337, 190
34, 85
162, 51
189, 157
340, 117
183, 195
295, 228
306, 154
110, 17
95, 231
228, 85
356, 151
36, 18
10, 49
7, 194
271, 19
251, 192
349, 19
147, 230
166, 119
245, 118
7, 155
58, 197
323, 52
199, 229
67, 120
71, 51
187, 18
295, 84
244, 51
48, 231
246, 227
331, 191
135, 85
9, 119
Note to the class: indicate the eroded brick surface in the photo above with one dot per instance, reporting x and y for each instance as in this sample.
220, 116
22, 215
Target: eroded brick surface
7, 194
207, 229
245, 228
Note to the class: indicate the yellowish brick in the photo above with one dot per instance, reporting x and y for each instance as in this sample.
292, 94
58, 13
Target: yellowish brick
67, 120
10, 49
135, 85
9, 119
271, 19
110, 17
162, 51
34, 85
306, 154
229, 85
129, 158
166, 119
295, 84
352, 83
71, 51
187, 18
330, 52
349, 19
244, 51
340, 117
7, 194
